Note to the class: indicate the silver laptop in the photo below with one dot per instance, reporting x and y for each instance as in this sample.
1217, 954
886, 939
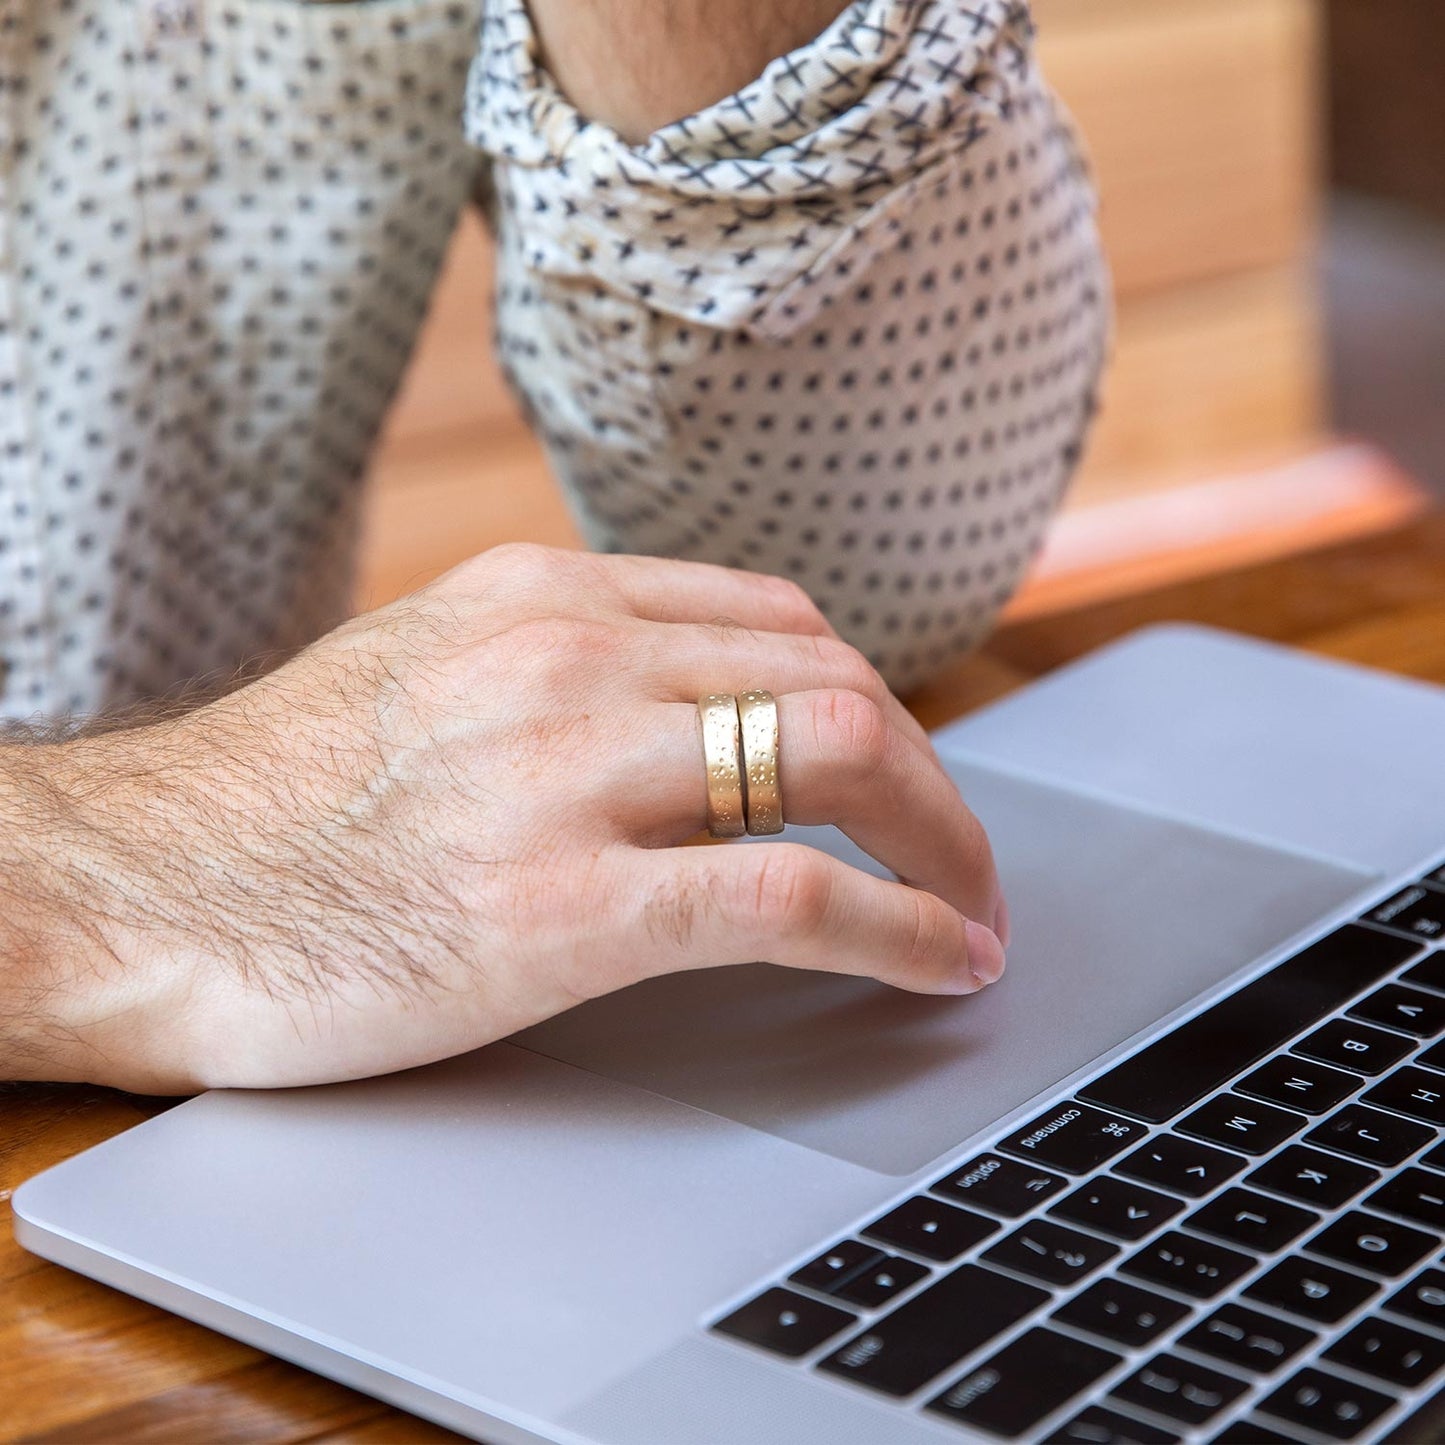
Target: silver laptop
1178, 1176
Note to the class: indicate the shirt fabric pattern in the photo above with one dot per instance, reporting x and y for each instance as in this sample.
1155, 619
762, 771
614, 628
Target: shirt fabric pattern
845, 325
220, 224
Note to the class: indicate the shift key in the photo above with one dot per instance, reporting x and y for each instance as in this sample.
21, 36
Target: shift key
1073, 1137
935, 1329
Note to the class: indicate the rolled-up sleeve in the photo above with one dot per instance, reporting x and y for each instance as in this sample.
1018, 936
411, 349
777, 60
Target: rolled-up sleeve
845, 325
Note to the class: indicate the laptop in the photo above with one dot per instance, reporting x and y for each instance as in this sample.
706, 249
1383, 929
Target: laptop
1179, 1176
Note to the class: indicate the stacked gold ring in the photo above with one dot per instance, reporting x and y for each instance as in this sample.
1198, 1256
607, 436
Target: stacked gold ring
740, 751
722, 751
758, 716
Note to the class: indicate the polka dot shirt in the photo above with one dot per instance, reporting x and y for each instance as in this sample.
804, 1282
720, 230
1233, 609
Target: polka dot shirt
845, 325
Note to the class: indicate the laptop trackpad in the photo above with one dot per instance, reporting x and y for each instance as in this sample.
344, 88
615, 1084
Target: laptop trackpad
1119, 917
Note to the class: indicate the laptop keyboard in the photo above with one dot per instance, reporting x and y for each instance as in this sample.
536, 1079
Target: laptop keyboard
1233, 1234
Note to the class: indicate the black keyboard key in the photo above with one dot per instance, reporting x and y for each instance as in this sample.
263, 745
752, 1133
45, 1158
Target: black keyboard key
1422, 1299
1240, 1216
1116, 1310
1433, 1057
786, 1323
1361, 1047
1050, 1252
1331, 1404
1389, 1352
1370, 1135
1127, 1211
1180, 1389
1435, 1159
1428, 973
930, 1228
1203, 1053
1249, 1339
935, 1329
1191, 1266
1001, 1186
1415, 1092
1315, 1291
1098, 1425
1180, 1165
1413, 1194
1299, 1084
1026, 1381
1239, 1123
1370, 1243
1418, 910
879, 1283
1312, 1177
835, 1265
1073, 1137
1406, 1009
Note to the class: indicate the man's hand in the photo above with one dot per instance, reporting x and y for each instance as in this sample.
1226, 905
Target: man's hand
458, 815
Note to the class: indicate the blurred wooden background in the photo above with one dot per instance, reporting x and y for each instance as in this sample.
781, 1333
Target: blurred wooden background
1204, 119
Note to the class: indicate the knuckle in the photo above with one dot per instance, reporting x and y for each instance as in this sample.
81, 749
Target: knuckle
926, 948
977, 850
728, 630
852, 729
846, 667
794, 603
789, 893
526, 564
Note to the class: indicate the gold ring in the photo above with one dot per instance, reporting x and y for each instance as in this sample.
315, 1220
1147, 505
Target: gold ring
722, 752
763, 794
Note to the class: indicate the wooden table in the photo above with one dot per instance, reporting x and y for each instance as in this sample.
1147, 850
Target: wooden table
79, 1362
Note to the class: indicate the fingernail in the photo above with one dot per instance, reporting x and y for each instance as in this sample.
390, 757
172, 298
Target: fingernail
985, 954
1001, 920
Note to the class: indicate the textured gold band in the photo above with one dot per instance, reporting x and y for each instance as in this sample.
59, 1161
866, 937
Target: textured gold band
758, 715
722, 752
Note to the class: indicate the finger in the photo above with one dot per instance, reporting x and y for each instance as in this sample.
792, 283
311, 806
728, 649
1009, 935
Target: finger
659, 589
721, 604
841, 761
684, 661
663, 590
788, 904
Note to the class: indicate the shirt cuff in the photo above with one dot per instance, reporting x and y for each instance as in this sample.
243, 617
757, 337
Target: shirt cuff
749, 213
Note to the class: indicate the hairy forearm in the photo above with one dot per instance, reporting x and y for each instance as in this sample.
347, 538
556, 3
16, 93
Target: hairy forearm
80, 991
46, 942
637, 64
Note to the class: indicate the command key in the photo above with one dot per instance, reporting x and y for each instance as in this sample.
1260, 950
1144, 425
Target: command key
1073, 1137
